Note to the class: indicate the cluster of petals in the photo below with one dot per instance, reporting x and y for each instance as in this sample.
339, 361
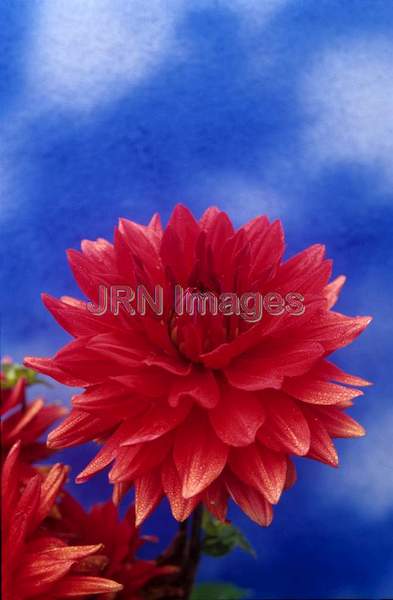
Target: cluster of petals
120, 538
203, 408
36, 563
25, 422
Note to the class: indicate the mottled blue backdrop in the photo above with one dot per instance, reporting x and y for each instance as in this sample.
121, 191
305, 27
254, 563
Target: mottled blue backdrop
124, 107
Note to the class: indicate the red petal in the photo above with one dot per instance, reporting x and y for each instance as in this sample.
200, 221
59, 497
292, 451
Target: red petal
339, 424
61, 552
247, 373
153, 423
172, 364
201, 385
104, 457
28, 504
319, 392
217, 225
261, 468
119, 491
39, 574
23, 418
286, 424
75, 318
332, 291
148, 493
302, 262
153, 381
267, 250
218, 229
109, 396
79, 585
250, 501
178, 243
304, 272
334, 330
222, 355
267, 366
143, 248
79, 427
9, 480
50, 489
237, 417
199, 454
48, 366
181, 507
291, 475
90, 275
154, 225
15, 396
215, 498
321, 446
100, 251
327, 370
134, 461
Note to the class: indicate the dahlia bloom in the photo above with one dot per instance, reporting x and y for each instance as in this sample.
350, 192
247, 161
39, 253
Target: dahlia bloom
22, 420
203, 407
37, 564
121, 540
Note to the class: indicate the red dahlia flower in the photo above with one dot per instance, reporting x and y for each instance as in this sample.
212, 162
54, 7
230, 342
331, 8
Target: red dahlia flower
21, 420
36, 564
121, 540
201, 408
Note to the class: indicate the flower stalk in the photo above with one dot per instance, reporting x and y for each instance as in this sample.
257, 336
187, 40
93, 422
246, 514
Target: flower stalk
184, 552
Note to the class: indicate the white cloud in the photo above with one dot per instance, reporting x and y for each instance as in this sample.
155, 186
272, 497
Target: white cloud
12, 182
15, 170
347, 97
85, 52
241, 196
255, 12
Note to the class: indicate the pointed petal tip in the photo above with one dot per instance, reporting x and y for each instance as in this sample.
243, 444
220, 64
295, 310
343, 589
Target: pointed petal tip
72, 254
139, 518
51, 441
358, 431
36, 363
15, 449
80, 479
335, 461
362, 382
329, 458
191, 489
29, 361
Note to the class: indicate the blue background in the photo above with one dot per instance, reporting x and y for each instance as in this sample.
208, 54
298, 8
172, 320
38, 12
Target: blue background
284, 107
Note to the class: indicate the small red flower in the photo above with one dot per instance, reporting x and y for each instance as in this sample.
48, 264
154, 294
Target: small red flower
23, 421
202, 407
120, 538
36, 564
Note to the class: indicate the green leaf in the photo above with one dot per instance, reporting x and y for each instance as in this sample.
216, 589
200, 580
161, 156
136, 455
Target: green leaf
218, 591
221, 538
